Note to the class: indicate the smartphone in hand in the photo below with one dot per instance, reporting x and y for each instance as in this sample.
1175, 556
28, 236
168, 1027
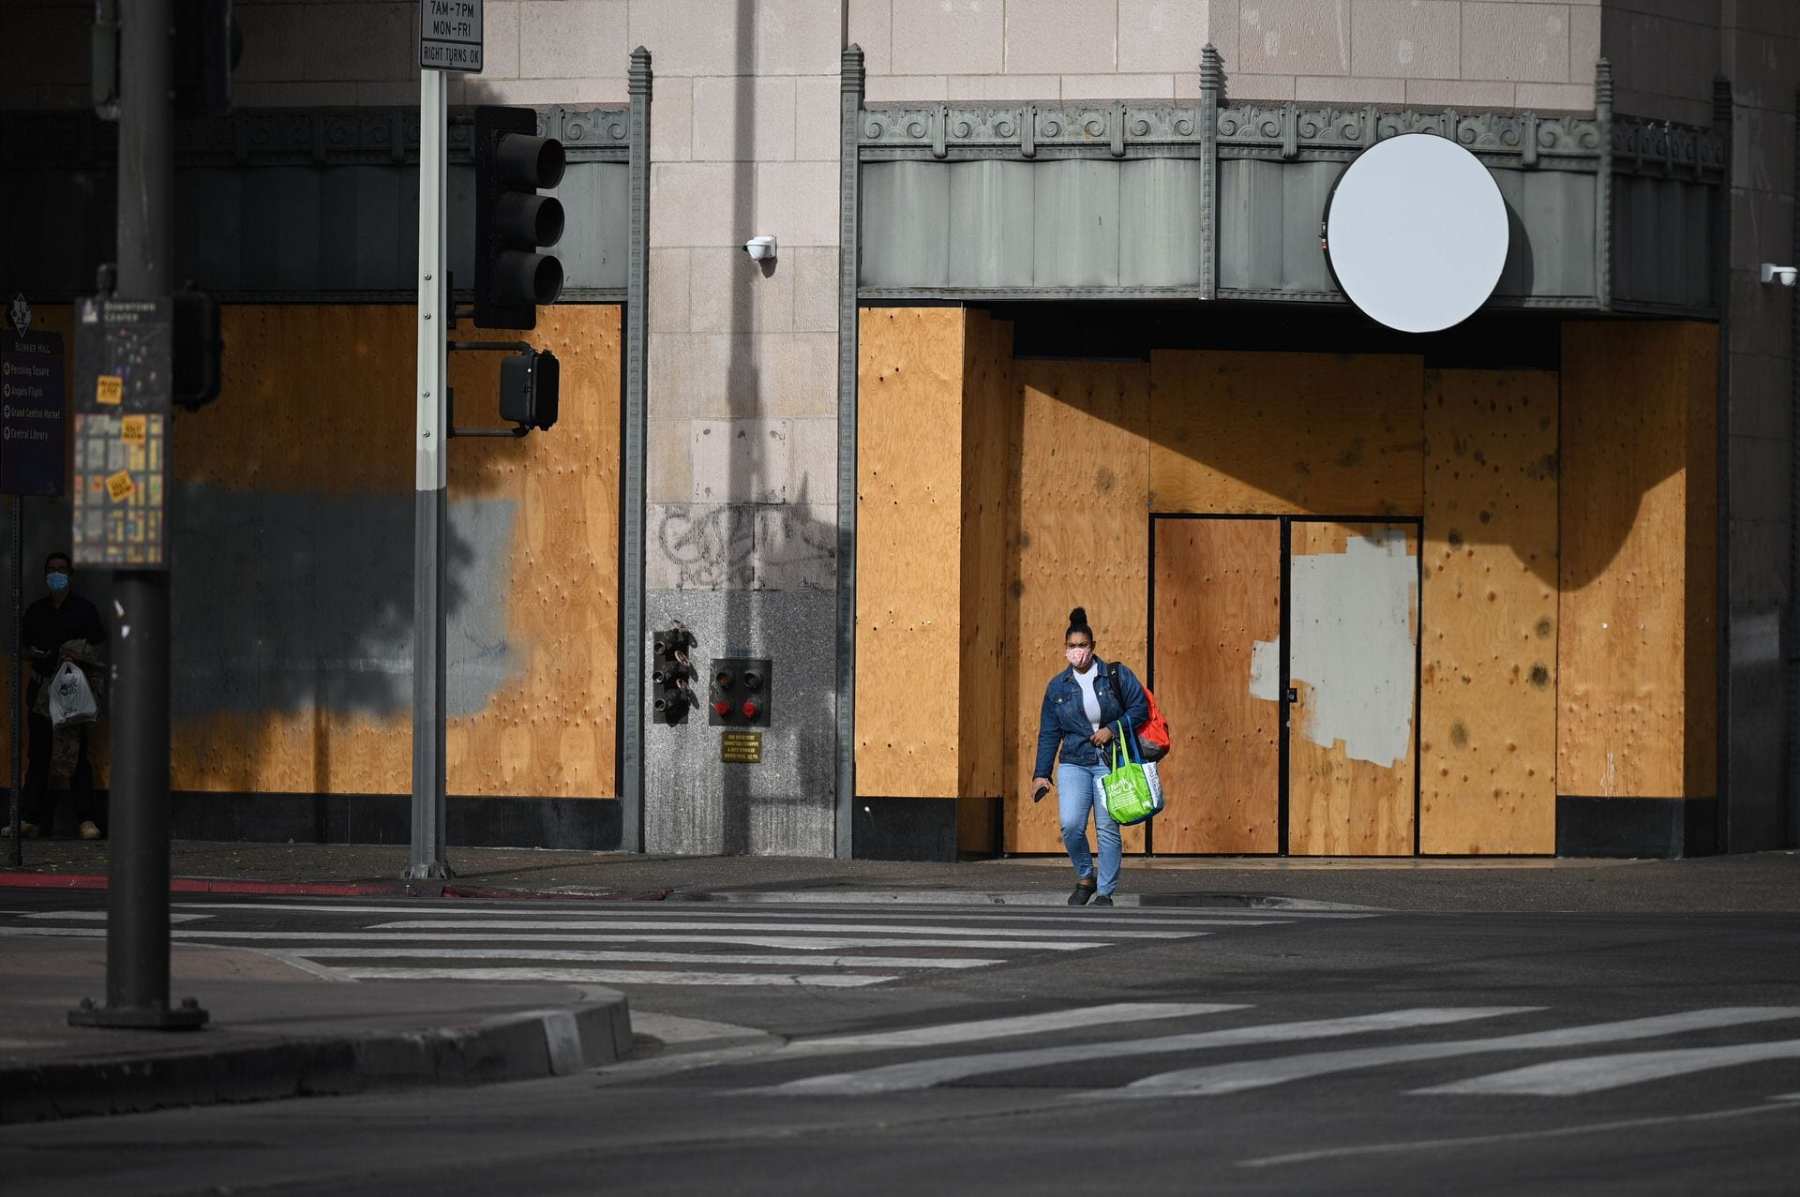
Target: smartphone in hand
1037, 794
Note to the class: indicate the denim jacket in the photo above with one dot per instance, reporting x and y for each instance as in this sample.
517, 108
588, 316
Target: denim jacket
1064, 724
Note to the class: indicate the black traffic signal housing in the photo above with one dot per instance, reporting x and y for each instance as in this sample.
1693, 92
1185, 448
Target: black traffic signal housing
208, 44
740, 692
198, 348
671, 696
512, 221
528, 388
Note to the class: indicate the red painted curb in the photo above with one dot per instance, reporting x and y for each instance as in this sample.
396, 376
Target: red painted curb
322, 889
204, 885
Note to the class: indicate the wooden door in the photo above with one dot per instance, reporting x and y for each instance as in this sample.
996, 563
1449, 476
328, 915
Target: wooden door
1216, 671
1353, 671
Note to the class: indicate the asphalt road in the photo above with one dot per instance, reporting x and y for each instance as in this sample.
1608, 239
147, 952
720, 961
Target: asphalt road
975, 1050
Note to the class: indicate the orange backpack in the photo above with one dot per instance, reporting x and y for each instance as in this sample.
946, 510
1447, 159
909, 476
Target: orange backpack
1153, 737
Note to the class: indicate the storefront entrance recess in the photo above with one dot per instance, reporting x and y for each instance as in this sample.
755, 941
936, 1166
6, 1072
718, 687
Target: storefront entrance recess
1285, 653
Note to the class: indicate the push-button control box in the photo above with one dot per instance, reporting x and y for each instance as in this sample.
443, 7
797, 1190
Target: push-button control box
740, 692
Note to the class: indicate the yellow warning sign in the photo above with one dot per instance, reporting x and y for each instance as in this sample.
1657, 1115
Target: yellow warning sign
134, 430
110, 390
120, 486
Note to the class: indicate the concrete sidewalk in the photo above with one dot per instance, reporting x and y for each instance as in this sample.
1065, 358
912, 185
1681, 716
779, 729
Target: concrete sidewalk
1762, 882
279, 1031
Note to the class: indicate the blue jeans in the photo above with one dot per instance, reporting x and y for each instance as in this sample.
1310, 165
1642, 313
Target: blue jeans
1077, 792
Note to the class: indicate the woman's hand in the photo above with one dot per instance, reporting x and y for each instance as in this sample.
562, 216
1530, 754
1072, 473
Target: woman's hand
1101, 738
1039, 787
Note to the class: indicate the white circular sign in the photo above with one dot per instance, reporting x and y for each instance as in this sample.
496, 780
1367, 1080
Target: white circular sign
1416, 232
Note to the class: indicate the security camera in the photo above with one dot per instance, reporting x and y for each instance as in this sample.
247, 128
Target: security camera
762, 249
1785, 275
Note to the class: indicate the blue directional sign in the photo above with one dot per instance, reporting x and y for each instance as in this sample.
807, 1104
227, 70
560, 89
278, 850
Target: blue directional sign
32, 414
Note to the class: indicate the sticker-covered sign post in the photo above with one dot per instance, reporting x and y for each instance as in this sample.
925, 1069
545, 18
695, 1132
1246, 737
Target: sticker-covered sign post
449, 40
32, 407
122, 404
124, 385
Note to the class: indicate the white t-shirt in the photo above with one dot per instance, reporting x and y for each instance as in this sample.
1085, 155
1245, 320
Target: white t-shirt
1090, 702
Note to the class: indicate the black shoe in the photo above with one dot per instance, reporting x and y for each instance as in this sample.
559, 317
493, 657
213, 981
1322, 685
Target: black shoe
1102, 900
1083, 892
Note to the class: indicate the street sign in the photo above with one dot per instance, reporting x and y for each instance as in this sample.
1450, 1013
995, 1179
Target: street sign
450, 35
123, 368
32, 414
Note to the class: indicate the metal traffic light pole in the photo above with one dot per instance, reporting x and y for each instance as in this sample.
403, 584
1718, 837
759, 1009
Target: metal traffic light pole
137, 919
427, 857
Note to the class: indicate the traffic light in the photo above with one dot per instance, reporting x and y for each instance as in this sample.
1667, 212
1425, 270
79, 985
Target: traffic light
208, 44
512, 221
197, 348
670, 671
528, 387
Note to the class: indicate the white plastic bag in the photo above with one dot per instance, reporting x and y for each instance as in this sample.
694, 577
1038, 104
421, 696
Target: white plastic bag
71, 699
1156, 793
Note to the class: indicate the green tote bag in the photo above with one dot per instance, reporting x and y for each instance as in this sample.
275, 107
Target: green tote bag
1126, 790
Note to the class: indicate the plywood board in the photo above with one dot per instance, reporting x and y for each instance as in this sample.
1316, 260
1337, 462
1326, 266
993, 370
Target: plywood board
1487, 752
1218, 630
1352, 658
1286, 433
314, 406
1623, 685
1083, 540
551, 731
990, 406
1699, 347
909, 526
314, 399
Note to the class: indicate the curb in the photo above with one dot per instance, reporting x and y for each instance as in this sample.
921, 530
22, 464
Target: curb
221, 885
328, 889
509, 1047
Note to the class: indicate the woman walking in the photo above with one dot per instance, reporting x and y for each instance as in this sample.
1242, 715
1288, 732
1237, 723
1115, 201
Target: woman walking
1082, 706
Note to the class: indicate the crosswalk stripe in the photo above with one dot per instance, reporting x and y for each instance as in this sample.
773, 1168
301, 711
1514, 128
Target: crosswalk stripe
603, 976
834, 942
944, 1034
1591, 1074
710, 910
99, 916
660, 925
573, 956
1411, 1146
1256, 1074
924, 1074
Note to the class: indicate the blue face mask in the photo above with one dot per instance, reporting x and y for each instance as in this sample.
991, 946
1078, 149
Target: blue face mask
58, 582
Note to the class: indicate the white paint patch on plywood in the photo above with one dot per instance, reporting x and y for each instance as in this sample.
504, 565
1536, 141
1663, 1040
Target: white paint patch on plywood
1265, 670
1353, 646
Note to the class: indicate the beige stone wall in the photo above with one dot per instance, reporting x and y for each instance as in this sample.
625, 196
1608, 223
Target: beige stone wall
1760, 52
743, 361
1666, 52
1463, 53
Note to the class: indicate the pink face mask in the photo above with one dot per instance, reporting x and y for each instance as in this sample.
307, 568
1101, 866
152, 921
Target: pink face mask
1079, 657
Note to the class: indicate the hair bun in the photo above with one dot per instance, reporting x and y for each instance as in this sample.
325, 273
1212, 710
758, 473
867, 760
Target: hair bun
1078, 616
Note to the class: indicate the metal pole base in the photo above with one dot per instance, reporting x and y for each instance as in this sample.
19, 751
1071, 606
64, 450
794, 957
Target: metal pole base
186, 1017
436, 870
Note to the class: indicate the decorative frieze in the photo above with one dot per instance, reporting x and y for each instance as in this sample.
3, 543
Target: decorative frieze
1029, 130
1648, 147
1286, 132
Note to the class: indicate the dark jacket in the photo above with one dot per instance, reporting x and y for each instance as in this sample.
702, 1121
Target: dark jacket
1063, 725
47, 627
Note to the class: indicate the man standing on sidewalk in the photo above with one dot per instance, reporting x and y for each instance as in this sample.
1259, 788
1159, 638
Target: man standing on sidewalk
61, 626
